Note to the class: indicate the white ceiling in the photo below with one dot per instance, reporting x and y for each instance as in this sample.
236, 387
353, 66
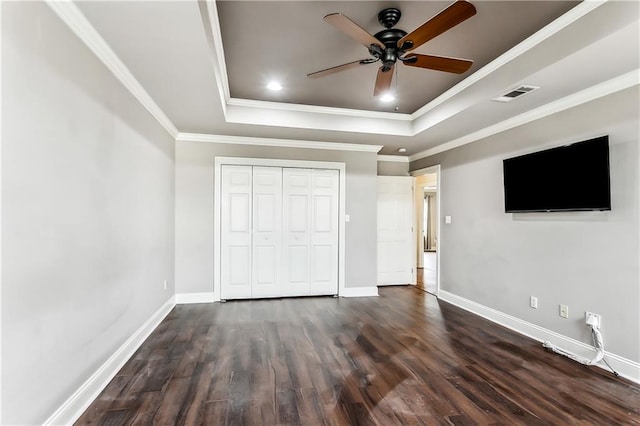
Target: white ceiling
205, 66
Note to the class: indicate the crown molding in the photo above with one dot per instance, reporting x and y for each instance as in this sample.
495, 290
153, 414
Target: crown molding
327, 118
394, 158
283, 143
69, 13
527, 44
605, 88
244, 110
211, 22
282, 106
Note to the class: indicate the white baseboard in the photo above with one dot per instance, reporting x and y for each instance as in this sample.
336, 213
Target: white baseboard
359, 292
626, 367
188, 298
77, 403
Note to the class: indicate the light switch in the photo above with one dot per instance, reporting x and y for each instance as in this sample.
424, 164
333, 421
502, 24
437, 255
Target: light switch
447, 220
347, 218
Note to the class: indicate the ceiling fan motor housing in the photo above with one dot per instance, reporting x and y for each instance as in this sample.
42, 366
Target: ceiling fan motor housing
389, 17
389, 38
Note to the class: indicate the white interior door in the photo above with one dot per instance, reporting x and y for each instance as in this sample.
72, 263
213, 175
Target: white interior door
324, 232
236, 252
296, 235
267, 232
395, 230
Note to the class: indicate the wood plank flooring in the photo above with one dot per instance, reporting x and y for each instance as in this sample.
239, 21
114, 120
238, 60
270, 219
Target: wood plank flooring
403, 358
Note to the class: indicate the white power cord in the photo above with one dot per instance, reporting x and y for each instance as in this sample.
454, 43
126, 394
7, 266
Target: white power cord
598, 343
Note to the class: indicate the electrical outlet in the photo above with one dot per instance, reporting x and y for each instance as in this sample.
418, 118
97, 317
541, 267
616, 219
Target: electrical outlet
592, 319
564, 311
165, 284
533, 302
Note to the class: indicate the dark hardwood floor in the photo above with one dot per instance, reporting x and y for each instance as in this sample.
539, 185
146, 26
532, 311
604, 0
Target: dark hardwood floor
402, 358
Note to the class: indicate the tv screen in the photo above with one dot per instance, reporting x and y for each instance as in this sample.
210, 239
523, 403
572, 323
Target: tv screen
568, 178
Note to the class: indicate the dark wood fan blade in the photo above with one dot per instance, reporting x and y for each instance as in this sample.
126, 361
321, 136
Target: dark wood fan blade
443, 21
440, 63
339, 68
352, 29
383, 81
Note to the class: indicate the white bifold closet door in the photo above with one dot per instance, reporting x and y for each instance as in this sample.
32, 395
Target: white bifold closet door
236, 231
267, 232
279, 232
324, 232
310, 231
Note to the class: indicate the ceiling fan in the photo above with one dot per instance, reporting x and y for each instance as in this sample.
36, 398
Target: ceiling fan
392, 44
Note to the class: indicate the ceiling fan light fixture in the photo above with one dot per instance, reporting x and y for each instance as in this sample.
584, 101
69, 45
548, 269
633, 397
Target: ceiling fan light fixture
392, 44
274, 86
387, 97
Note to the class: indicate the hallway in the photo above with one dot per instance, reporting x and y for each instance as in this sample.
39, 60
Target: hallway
427, 276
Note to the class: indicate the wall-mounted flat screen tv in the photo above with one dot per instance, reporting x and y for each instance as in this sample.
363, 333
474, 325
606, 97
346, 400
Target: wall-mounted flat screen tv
567, 178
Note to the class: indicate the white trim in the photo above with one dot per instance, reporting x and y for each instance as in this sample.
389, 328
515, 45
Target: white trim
1, 275
348, 112
217, 204
286, 143
77, 403
188, 298
422, 171
438, 226
395, 158
69, 13
212, 28
211, 22
217, 229
605, 88
342, 224
626, 367
359, 292
529, 43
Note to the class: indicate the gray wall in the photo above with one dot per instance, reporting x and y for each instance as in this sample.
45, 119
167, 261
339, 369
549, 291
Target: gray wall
587, 260
194, 209
87, 213
393, 168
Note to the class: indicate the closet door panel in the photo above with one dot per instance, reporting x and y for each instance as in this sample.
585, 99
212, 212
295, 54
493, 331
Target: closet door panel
324, 232
296, 187
236, 239
267, 232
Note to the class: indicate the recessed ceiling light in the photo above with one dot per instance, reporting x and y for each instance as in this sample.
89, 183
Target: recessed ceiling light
387, 97
274, 85
402, 149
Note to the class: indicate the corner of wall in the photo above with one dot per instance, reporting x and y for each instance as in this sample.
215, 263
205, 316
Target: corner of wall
80, 400
626, 367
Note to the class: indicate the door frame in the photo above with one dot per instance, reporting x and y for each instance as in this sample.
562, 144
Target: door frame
430, 170
274, 162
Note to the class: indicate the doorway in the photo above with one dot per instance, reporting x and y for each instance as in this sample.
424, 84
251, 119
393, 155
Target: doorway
427, 214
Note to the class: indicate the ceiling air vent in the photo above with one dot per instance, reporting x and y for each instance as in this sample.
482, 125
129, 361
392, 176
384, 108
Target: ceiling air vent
515, 93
